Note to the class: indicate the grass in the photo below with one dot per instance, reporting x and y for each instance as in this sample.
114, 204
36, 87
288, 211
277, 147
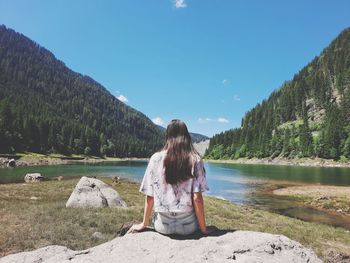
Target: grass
338, 204
332, 198
29, 224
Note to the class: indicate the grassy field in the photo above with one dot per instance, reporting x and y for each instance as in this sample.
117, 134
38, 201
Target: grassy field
34, 215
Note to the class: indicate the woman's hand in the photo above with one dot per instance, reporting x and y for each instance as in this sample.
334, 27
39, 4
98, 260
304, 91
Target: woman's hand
146, 215
136, 228
209, 230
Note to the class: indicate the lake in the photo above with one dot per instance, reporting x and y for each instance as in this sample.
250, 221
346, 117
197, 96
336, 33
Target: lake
238, 183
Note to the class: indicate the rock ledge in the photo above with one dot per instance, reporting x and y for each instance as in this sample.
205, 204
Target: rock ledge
239, 246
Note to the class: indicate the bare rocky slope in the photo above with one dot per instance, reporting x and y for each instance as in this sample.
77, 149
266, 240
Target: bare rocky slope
202, 146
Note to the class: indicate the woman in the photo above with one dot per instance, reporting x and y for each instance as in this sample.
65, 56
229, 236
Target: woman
173, 183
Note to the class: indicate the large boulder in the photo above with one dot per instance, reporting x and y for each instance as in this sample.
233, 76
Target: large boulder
93, 193
239, 246
33, 178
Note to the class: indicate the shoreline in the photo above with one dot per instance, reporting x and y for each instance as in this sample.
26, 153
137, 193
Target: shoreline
23, 160
34, 159
305, 162
332, 199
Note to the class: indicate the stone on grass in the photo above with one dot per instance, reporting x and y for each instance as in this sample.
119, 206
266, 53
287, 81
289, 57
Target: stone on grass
11, 163
93, 193
239, 246
33, 178
97, 235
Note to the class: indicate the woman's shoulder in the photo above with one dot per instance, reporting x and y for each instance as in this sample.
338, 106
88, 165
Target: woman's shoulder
196, 158
158, 156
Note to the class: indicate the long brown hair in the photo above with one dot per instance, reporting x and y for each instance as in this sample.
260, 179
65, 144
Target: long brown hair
180, 151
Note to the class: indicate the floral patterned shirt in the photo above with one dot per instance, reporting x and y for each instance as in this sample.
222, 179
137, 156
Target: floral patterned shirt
172, 198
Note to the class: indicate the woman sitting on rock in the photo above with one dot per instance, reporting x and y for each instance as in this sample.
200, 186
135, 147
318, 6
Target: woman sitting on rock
173, 183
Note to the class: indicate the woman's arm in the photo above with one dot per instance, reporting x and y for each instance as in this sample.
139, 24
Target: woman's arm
149, 201
198, 203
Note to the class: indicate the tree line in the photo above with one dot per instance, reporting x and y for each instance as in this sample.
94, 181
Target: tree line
308, 116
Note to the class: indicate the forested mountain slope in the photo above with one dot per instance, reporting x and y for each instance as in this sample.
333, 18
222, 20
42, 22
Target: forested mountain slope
308, 116
46, 107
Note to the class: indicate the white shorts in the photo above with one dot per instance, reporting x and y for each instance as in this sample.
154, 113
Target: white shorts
175, 223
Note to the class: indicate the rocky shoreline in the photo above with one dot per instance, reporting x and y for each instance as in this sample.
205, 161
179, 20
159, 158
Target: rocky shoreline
32, 162
308, 162
57, 161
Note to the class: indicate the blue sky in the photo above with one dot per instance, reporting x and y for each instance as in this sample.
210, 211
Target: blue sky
206, 62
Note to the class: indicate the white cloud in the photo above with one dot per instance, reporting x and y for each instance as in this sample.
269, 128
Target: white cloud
225, 82
236, 98
180, 3
122, 98
207, 120
222, 120
158, 121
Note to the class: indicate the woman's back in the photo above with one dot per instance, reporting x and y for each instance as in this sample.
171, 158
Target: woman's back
173, 183
176, 197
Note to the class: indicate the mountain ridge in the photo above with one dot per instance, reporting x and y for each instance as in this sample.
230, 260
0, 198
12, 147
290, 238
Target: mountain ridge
307, 116
47, 107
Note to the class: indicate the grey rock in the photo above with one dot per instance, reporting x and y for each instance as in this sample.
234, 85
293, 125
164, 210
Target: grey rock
11, 163
116, 180
239, 246
93, 193
337, 257
3, 162
33, 178
97, 235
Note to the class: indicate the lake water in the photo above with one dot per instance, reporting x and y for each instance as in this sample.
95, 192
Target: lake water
239, 183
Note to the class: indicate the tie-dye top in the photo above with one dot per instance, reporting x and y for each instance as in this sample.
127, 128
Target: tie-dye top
172, 198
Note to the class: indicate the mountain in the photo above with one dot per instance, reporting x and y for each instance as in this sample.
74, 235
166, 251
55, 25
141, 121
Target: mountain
201, 146
308, 116
47, 107
196, 137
